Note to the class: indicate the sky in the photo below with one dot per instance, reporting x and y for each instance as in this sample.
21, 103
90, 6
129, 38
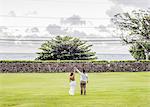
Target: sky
42, 19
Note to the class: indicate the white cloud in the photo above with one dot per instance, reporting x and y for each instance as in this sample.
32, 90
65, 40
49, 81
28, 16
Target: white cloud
73, 20
31, 13
34, 30
12, 13
54, 29
135, 3
114, 10
77, 33
102, 28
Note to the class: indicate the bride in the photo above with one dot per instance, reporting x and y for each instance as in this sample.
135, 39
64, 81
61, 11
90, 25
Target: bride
72, 83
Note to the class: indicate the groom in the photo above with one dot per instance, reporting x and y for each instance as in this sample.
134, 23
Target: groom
83, 80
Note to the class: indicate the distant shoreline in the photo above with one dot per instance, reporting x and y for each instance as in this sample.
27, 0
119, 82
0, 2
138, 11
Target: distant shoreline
96, 54
32, 56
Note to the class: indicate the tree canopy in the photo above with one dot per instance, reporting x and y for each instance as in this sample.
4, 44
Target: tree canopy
135, 28
65, 48
137, 51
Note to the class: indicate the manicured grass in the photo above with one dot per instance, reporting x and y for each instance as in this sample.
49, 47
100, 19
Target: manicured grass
51, 90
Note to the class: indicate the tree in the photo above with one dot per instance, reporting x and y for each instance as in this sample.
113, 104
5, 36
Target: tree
137, 51
65, 48
135, 28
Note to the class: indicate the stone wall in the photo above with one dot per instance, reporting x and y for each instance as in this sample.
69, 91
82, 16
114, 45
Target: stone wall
67, 67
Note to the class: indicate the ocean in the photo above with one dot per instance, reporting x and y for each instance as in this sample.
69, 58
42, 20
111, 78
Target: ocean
32, 56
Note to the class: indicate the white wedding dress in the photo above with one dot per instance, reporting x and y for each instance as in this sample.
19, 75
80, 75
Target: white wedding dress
72, 87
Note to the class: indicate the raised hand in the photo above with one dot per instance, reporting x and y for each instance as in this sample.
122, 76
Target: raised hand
75, 69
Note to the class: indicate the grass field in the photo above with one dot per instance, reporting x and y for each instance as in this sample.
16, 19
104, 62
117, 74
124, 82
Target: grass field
51, 90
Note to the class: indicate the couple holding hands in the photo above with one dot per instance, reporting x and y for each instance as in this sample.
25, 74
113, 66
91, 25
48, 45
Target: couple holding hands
83, 81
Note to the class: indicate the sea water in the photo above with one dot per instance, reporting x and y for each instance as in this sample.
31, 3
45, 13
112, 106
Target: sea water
32, 56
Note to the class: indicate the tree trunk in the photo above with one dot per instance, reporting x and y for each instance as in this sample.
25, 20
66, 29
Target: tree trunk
146, 54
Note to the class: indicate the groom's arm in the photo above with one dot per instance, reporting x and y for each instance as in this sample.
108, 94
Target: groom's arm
78, 71
87, 78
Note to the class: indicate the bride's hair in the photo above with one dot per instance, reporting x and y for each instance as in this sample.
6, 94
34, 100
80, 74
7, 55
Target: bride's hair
71, 73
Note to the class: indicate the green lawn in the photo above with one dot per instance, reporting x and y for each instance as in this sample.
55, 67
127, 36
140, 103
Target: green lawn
51, 90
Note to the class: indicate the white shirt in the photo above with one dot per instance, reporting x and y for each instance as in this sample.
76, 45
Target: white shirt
83, 77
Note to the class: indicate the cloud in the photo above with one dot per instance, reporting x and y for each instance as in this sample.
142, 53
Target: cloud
102, 28
31, 13
135, 3
32, 30
77, 33
12, 13
73, 20
3, 28
118, 4
114, 10
56, 30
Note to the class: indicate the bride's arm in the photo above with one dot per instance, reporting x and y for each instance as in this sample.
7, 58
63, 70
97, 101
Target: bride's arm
71, 77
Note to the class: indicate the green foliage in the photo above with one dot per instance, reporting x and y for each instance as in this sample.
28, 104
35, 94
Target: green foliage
20, 61
69, 61
117, 61
144, 61
65, 48
52, 61
137, 51
136, 23
135, 28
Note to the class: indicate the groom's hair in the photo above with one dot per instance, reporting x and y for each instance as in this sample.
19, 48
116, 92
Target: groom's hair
83, 71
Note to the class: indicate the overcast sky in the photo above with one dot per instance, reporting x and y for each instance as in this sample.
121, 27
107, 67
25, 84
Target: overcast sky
35, 19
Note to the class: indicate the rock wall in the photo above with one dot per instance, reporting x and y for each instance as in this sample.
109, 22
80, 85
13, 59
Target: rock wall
24, 67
